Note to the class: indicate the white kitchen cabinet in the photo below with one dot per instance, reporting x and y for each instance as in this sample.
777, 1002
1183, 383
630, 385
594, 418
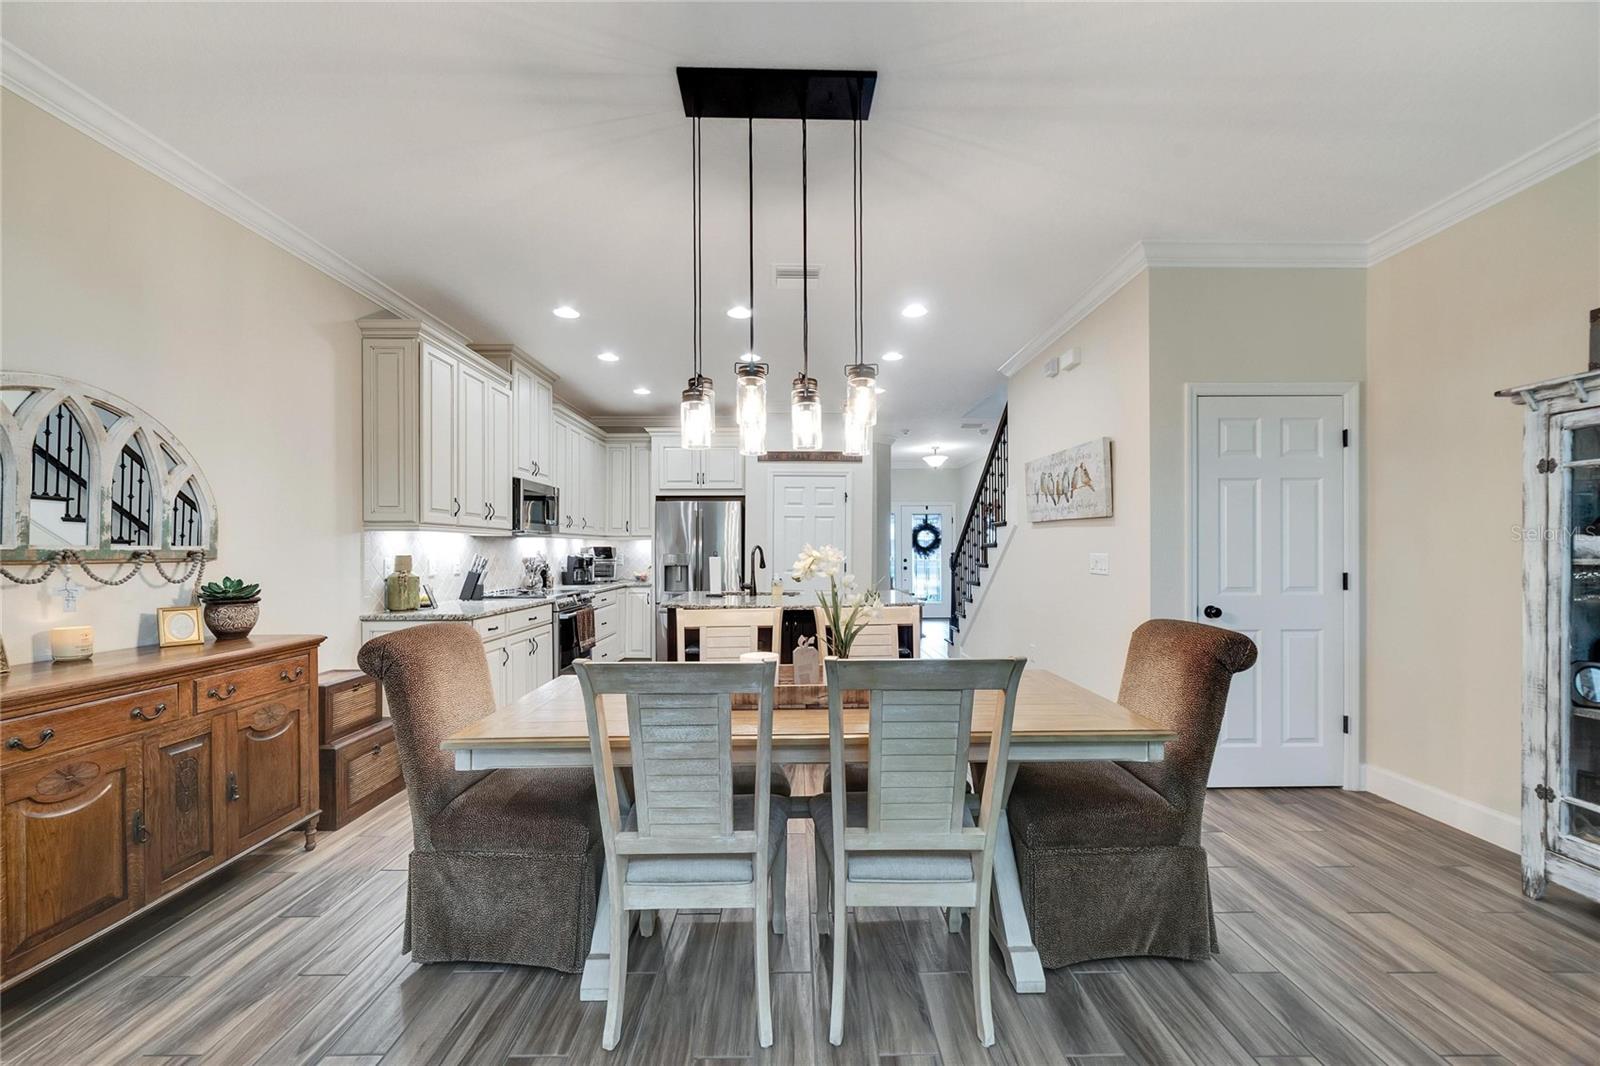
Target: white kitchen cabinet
519, 646
642, 523
581, 467
436, 431
638, 623
532, 660
719, 468
502, 668
532, 411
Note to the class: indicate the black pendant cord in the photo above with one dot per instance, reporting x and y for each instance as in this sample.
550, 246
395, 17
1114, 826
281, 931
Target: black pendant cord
750, 163
694, 245
805, 264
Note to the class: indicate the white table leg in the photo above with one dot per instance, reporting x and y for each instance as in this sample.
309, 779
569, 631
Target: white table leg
1008, 921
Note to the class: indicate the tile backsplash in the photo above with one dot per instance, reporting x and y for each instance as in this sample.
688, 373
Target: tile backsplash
441, 559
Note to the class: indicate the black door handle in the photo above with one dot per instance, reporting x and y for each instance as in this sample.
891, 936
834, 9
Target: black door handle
1212, 611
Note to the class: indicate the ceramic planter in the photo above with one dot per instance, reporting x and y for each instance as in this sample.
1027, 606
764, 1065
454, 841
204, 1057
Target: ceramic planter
232, 619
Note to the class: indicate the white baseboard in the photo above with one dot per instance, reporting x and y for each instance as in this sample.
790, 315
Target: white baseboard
1498, 828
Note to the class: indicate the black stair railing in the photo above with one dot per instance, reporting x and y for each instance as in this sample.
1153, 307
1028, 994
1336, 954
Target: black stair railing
60, 464
130, 499
981, 530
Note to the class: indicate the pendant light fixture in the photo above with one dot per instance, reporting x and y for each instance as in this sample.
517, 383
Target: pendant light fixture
860, 377
750, 374
697, 414
805, 409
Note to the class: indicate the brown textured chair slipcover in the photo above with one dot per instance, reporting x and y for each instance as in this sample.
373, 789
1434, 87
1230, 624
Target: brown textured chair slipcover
504, 863
1109, 853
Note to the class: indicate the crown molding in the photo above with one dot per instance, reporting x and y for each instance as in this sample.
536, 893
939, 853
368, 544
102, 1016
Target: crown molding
1248, 254
1124, 270
47, 90
1552, 157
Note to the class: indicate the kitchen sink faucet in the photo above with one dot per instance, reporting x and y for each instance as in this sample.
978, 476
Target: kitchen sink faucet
749, 587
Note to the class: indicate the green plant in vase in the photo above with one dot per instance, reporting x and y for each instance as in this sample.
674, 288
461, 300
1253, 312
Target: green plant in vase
846, 609
232, 607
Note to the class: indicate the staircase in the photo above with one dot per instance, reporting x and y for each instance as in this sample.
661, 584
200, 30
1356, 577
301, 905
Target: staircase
981, 532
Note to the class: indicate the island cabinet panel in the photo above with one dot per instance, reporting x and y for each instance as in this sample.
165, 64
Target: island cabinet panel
267, 772
183, 775
137, 773
71, 867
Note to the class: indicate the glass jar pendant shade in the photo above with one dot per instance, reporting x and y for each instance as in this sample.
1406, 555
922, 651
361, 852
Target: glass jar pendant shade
861, 393
750, 407
805, 415
857, 435
697, 415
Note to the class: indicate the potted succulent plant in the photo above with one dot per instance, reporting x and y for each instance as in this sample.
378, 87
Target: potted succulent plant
232, 607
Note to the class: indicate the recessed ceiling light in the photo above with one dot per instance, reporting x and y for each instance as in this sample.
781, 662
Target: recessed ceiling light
641, 391
739, 311
913, 310
565, 311
892, 357
608, 357
879, 389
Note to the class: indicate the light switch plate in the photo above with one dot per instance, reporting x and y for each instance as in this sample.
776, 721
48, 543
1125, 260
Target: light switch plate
1099, 563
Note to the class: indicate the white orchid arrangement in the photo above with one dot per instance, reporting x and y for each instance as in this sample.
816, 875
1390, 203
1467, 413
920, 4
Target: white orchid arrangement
847, 609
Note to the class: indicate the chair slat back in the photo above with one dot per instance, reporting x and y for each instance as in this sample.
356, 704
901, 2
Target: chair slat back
680, 738
919, 736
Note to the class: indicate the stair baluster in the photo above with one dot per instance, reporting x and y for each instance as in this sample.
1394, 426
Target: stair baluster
981, 530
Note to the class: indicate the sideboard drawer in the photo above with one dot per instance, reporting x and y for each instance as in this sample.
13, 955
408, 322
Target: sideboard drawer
236, 686
48, 732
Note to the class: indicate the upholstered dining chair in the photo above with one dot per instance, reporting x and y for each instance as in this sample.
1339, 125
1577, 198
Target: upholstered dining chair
910, 839
505, 864
1109, 853
687, 840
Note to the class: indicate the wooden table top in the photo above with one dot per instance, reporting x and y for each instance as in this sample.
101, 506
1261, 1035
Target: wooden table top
1049, 709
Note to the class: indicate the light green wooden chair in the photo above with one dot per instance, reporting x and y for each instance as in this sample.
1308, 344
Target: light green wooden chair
686, 840
910, 839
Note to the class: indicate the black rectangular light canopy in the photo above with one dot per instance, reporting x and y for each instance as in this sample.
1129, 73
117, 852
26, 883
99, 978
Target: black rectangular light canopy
755, 92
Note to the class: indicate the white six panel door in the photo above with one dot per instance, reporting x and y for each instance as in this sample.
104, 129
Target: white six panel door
1269, 509
808, 509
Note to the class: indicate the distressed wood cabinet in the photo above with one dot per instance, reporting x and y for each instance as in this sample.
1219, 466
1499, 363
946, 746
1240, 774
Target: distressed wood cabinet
1561, 633
138, 772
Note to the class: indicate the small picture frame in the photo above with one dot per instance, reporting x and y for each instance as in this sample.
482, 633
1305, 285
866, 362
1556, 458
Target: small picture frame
179, 626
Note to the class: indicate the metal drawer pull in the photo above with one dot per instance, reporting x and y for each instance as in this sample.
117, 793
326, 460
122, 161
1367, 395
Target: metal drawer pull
231, 689
16, 744
299, 672
138, 712
377, 750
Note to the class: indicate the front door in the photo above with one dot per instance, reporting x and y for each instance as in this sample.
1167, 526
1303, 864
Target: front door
922, 555
1269, 508
809, 509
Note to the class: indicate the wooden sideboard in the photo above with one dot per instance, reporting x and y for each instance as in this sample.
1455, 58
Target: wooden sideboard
135, 773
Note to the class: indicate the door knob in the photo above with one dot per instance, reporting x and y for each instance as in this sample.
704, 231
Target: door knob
1212, 611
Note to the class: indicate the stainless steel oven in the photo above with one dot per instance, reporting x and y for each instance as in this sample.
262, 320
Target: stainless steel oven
536, 508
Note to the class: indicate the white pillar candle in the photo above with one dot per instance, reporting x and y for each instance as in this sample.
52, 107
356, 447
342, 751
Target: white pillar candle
68, 643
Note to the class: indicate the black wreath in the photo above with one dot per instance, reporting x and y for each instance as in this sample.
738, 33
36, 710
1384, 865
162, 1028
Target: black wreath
925, 538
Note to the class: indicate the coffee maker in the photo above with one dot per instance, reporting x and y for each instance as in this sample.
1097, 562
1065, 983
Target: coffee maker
579, 570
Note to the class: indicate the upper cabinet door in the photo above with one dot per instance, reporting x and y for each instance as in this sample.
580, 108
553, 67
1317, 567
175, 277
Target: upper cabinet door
721, 467
497, 437
544, 460
390, 479
526, 421
642, 502
679, 467
619, 489
472, 429
561, 472
441, 503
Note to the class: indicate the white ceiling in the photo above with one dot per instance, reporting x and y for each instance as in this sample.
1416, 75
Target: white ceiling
491, 161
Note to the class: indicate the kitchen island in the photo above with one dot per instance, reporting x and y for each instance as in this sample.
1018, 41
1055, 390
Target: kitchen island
719, 627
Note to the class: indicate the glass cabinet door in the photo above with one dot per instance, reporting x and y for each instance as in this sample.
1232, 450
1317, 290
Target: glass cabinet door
1574, 809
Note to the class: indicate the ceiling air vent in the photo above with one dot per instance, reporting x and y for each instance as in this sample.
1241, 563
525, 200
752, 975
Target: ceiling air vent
788, 275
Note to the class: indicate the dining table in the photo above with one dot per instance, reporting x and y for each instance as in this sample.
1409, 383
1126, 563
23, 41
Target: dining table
1056, 720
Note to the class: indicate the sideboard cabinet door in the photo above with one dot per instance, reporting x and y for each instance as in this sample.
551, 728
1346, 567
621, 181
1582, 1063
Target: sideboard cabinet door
70, 866
267, 766
183, 788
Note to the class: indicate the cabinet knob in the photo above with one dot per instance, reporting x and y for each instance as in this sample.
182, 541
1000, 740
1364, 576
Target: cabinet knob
155, 712
1212, 611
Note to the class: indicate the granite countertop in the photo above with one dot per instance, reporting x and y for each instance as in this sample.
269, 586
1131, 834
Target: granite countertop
467, 610
705, 601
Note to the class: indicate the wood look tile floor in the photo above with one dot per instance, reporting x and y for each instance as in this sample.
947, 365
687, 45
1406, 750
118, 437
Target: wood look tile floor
1353, 931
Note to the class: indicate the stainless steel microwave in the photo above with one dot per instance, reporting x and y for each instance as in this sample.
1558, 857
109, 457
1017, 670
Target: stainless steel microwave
537, 508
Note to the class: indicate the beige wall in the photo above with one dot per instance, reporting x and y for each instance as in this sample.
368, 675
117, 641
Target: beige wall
1042, 601
1234, 325
116, 278
1499, 299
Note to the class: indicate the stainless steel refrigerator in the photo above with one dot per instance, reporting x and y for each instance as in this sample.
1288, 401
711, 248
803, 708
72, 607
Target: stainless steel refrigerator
689, 533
